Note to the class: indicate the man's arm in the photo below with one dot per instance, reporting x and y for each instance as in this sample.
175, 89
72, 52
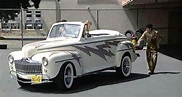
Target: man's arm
158, 38
143, 37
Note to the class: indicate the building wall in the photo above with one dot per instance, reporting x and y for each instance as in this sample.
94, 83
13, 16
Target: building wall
167, 21
110, 14
175, 28
159, 19
104, 14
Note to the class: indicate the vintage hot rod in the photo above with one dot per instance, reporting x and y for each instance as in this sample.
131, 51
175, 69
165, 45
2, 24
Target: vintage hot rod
70, 51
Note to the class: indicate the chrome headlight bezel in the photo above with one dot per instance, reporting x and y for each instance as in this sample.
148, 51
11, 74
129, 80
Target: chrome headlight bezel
44, 61
11, 59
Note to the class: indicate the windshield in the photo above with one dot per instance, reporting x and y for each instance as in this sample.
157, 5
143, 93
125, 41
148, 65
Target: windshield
65, 30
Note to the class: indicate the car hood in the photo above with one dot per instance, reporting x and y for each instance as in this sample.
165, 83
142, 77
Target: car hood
47, 45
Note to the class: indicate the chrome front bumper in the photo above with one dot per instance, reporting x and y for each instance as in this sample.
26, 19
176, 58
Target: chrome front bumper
26, 78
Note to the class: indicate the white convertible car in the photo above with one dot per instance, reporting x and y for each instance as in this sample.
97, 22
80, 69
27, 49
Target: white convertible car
70, 52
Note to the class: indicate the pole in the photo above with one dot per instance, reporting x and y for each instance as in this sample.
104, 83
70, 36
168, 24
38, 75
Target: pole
97, 18
137, 18
59, 11
58, 14
22, 25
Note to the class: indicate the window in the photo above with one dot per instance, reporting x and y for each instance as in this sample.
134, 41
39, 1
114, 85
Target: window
37, 21
38, 24
15, 25
37, 11
28, 21
5, 25
29, 15
29, 12
38, 15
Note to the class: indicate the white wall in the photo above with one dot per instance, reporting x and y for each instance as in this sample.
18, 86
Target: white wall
106, 14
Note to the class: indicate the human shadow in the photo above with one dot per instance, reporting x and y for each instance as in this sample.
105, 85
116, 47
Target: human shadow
172, 51
167, 72
86, 83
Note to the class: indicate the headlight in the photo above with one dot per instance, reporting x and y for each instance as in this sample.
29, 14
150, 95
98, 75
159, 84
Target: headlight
44, 61
10, 59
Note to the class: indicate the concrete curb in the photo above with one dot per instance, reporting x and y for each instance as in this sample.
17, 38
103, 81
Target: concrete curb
5, 46
1, 38
24, 38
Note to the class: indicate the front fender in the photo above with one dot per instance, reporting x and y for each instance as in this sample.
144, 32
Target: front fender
17, 55
57, 59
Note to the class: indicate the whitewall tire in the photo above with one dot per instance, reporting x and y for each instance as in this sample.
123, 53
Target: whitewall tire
65, 78
125, 67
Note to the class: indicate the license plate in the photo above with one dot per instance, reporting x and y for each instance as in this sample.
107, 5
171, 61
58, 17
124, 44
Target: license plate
36, 79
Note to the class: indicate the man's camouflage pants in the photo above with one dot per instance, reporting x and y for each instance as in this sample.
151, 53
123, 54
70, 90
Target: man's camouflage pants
151, 56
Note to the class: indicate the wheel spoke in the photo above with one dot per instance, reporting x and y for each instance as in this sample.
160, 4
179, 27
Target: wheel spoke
66, 76
126, 66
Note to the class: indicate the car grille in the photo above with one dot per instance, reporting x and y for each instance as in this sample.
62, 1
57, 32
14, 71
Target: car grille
26, 67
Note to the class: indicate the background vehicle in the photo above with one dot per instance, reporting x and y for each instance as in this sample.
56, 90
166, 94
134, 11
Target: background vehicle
134, 36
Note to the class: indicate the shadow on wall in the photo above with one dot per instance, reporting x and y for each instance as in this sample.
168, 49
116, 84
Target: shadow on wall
172, 51
132, 17
45, 27
96, 2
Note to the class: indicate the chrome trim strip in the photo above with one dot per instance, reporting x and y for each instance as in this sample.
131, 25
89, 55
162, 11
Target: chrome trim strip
83, 43
67, 59
123, 50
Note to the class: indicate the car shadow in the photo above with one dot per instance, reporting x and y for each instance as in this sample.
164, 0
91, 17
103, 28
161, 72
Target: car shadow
86, 83
172, 51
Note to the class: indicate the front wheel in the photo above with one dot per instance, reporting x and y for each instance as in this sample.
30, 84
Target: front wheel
125, 67
65, 77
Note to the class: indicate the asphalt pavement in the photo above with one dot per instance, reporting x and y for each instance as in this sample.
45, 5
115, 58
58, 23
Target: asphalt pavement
166, 82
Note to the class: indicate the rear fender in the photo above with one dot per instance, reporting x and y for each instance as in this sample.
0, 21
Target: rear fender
123, 48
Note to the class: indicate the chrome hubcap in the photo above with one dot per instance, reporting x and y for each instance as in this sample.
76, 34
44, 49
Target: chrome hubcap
126, 66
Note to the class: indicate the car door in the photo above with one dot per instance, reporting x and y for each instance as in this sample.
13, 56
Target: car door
97, 53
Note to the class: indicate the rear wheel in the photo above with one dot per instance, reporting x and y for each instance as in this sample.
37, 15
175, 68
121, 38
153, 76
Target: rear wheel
65, 77
125, 67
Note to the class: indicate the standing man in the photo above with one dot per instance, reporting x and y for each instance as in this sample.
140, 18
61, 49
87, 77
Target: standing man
152, 39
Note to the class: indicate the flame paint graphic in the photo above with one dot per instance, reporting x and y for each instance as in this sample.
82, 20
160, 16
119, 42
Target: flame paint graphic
99, 50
